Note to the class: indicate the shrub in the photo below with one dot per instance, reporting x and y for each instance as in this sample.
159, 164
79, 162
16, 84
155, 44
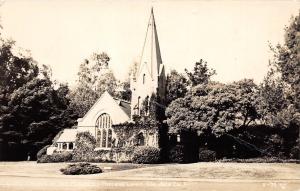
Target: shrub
123, 154
81, 168
177, 154
207, 155
85, 145
42, 152
100, 156
56, 157
146, 155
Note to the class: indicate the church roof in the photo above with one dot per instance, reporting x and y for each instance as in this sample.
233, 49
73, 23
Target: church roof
124, 105
151, 55
68, 135
119, 110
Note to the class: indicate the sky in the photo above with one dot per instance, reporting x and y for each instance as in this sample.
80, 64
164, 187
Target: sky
232, 36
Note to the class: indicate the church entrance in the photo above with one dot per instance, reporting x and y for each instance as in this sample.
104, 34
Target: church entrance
104, 131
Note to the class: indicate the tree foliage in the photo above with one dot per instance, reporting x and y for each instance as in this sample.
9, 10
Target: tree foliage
33, 109
177, 85
16, 70
201, 74
35, 113
94, 78
280, 90
214, 108
287, 59
123, 91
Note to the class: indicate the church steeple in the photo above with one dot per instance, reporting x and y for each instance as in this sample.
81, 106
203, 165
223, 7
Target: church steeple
150, 77
151, 56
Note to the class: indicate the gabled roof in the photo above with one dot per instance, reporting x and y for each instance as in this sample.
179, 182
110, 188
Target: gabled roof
119, 110
124, 105
68, 135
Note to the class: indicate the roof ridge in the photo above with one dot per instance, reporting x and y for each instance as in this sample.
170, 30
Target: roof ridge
122, 100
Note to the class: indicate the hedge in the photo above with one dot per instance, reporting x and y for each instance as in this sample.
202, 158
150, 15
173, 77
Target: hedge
85, 145
56, 157
206, 155
146, 155
42, 152
177, 154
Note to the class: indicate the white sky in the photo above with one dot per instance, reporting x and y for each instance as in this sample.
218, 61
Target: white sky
232, 36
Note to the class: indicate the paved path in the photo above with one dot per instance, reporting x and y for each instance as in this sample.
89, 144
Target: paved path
252, 177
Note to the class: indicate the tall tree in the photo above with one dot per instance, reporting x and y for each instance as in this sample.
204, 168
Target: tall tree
201, 74
32, 111
287, 59
177, 86
94, 78
37, 112
281, 89
16, 70
123, 91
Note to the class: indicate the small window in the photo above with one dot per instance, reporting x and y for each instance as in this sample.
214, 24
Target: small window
138, 105
64, 146
71, 146
144, 78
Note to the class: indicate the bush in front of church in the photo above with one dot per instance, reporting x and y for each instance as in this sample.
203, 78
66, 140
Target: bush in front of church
85, 145
177, 154
206, 155
146, 155
81, 168
56, 157
42, 152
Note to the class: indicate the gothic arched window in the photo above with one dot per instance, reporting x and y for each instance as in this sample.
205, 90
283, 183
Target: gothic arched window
140, 139
104, 131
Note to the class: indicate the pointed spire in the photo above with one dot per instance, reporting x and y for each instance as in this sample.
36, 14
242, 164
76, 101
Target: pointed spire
151, 56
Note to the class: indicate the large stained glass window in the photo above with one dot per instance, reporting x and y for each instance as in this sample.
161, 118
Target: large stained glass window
104, 131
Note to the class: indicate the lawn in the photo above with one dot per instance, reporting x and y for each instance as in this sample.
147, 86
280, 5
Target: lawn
25, 176
195, 170
52, 169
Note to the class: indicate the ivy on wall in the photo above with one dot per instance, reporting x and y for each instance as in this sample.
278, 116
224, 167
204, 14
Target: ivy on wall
148, 122
127, 132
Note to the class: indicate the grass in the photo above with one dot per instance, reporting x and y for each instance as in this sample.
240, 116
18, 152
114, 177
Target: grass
203, 170
261, 160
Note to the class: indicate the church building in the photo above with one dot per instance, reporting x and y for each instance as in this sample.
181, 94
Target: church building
149, 79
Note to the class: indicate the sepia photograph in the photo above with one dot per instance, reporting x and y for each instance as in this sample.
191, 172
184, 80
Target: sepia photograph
131, 95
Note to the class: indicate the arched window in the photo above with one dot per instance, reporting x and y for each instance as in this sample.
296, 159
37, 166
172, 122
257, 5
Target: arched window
140, 139
104, 131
